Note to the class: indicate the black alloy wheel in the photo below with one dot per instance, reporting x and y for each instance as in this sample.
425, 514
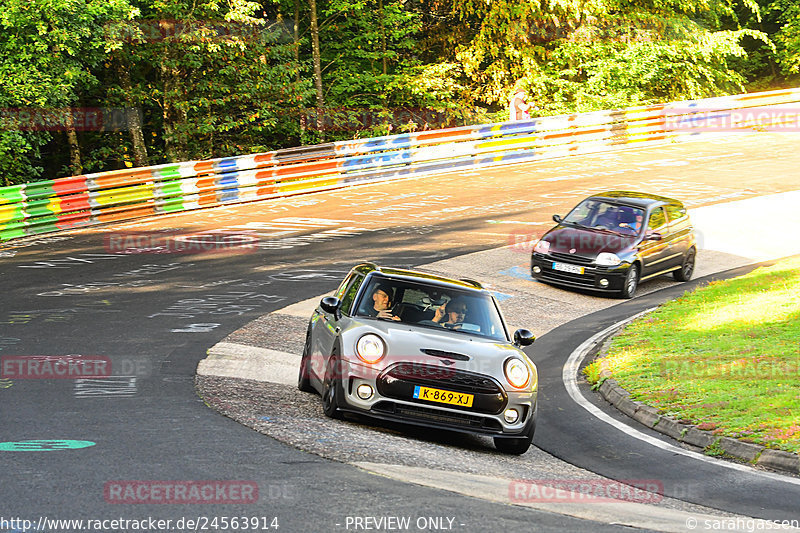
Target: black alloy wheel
303, 381
631, 282
687, 268
331, 389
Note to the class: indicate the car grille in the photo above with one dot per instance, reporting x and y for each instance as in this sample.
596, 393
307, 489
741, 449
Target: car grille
401, 380
444, 377
435, 416
571, 258
557, 275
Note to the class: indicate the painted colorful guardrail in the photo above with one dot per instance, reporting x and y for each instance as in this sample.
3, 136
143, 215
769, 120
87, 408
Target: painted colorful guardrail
78, 201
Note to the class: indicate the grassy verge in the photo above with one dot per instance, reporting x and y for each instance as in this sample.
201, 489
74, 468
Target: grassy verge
725, 357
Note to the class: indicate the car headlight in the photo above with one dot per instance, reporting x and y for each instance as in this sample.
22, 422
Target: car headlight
370, 348
517, 373
608, 259
542, 247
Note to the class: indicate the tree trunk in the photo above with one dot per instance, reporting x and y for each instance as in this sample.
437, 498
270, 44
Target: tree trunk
133, 117
174, 118
74, 148
297, 56
383, 34
316, 56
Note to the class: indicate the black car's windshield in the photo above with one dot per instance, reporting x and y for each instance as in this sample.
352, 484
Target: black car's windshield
432, 307
620, 219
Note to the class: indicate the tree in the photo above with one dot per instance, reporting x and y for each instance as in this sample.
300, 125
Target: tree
48, 52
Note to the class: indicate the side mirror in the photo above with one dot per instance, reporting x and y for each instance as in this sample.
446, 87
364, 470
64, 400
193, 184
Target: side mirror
523, 337
330, 305
653, 236
557, 218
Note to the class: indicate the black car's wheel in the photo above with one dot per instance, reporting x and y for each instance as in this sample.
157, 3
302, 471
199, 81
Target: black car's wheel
303, 381
631, 282
687, 268
514, 445
331, 389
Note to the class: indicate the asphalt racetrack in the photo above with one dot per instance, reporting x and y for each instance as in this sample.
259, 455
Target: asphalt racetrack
153, 315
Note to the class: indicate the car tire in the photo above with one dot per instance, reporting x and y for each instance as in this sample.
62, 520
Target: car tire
303, 380
687, 267
514, 445
331, 391
631, 282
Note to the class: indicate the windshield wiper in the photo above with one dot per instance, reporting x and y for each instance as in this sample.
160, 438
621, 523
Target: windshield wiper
578, 224
602, 228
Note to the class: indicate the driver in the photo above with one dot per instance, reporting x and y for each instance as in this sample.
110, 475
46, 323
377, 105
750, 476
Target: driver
382, 298
452, 314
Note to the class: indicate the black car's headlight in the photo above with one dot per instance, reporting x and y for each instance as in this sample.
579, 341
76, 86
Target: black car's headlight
517, 373
542, 247
608, 259
370, 348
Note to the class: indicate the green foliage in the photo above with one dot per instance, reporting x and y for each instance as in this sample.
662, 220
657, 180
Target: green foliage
49, 53
788, 14
216, 79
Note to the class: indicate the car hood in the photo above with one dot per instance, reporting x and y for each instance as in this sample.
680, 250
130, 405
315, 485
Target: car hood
587, 242
406, 342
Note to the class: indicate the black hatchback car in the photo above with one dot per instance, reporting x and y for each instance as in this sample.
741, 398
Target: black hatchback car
612, 241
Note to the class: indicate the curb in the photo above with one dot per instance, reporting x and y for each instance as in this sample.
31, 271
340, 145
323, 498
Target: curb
711, 444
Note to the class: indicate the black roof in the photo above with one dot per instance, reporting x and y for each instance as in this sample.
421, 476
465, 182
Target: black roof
415, 275
639, 199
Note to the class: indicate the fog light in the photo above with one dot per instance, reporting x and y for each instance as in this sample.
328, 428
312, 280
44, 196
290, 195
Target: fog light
364, 391
511, 415
537, 270
604, 283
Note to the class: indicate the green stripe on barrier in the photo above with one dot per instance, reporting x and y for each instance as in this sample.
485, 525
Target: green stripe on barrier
40, 189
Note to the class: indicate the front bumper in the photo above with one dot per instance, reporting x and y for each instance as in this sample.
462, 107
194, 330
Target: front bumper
591, 278
393, 400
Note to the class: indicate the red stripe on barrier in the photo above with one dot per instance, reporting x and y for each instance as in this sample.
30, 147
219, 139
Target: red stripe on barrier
120, 178
70, 185
74, 220
75, 202
264, 159
440, 134
758, 96
306, 167
112, 214
204, 167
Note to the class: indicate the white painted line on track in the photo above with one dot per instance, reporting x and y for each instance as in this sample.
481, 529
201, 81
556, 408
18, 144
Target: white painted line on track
569, 375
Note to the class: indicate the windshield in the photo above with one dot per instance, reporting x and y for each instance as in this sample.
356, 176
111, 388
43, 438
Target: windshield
432, 307
621, 219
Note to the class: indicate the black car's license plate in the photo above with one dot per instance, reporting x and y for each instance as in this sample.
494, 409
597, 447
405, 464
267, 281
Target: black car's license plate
564, 267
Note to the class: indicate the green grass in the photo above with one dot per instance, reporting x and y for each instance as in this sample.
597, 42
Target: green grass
725, 357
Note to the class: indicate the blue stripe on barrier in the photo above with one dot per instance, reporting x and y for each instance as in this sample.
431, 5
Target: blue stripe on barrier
228, 179
227, 195
396, 157
227, 163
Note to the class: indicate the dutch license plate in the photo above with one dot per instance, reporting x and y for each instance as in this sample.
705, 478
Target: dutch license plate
563, 267
443, 396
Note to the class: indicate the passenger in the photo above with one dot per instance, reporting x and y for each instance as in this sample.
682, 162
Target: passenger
628, 219
382, 299
452, 314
